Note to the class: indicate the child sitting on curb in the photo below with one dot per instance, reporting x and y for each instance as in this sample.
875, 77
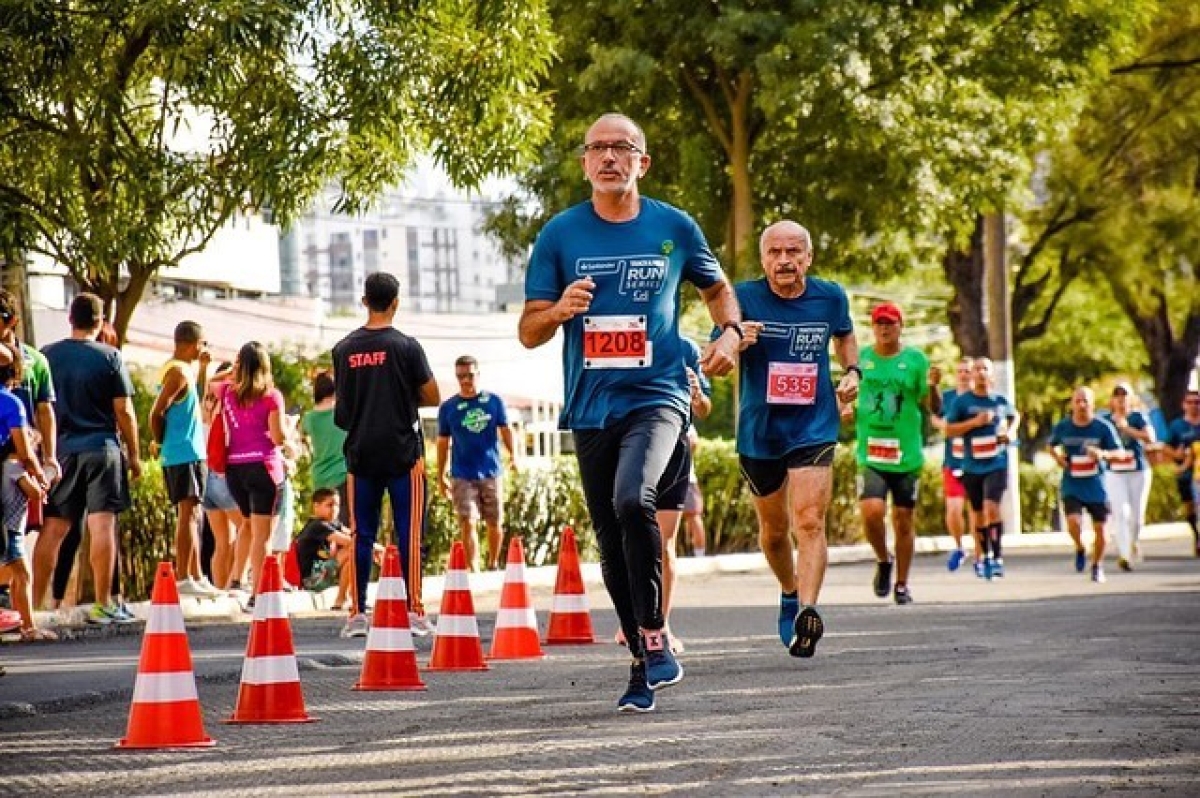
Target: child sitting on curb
324, 546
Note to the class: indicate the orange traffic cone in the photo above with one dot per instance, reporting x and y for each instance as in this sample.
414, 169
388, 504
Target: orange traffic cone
391, 661
570, 621
166, 708
270, 690
516, 634
456, 646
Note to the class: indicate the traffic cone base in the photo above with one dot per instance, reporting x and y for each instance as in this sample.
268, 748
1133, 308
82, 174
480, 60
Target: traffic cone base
165, 711
390, 662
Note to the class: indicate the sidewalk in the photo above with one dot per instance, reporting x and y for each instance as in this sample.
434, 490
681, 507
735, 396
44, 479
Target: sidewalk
303, 602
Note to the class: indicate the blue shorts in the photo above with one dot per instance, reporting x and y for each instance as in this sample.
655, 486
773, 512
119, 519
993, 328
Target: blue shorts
217, 495
16, 547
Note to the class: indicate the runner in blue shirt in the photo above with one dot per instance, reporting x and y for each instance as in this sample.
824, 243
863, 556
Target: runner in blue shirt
789, 417
952, 488
987, 424
608, 273
1183, 435
1129, 474
1083, 444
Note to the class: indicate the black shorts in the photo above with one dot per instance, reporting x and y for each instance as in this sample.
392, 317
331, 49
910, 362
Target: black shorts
767, 476
672, 488
1099, 511
985, 487
1184, 486
253, 488
875, 484
92, 482
185, 481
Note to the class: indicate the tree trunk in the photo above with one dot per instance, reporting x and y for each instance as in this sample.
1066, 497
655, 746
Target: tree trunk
965, 272
127, 300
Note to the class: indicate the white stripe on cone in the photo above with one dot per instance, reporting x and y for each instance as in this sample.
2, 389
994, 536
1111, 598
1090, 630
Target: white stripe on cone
162, 688
569, 602
457, 626
514, 572
516, 618
387, 639
270, 670
456, 580
165, 619
269, 605
391, 588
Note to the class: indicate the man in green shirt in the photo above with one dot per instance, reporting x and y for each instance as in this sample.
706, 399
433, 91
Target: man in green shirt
894, 389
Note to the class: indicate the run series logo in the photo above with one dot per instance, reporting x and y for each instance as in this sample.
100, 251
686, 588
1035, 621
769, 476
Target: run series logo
642, 276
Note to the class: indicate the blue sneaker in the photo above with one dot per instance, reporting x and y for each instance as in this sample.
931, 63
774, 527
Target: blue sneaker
789, 608
998, 568
989, 568
980, 569
1080, 561
638, 696
955, 559
662, 669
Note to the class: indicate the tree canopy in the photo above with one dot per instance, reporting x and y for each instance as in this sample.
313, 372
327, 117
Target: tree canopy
131, 132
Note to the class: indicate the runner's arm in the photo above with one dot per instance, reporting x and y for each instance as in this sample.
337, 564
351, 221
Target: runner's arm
128, 429
541, 318
428, 394
173, 384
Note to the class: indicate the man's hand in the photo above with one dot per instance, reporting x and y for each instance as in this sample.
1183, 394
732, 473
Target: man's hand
52, 470
984, 417
135, 468
155, 448
576, 299
935, 376
720, 356
444, 486
847, 388
751, 330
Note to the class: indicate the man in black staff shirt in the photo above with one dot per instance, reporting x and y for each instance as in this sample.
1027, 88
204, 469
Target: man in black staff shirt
382, 378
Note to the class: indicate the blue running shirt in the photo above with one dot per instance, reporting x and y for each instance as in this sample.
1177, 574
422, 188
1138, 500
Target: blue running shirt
1083, 478
787, 397
473, 427
1135, 452
983, 452
955, 448
624, 353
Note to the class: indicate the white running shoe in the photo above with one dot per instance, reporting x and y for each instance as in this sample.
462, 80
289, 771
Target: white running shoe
420, 625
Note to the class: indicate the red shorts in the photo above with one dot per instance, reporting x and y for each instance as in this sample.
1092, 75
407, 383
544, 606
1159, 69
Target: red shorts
952, 486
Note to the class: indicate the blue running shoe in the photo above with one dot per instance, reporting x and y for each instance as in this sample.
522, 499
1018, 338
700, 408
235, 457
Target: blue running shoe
1080, 561
638, 696
662, 669
789, 608
998, 568
955, 559
989, 568
980, 569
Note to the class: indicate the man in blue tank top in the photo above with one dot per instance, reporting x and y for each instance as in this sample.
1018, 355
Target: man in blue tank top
1084, 445
178, 436
789, 416
608, 273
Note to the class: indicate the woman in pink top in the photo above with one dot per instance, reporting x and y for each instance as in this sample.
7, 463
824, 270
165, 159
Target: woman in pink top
253, 410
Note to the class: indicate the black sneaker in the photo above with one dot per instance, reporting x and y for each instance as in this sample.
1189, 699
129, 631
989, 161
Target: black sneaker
883, 579
638, 696
808, 630
902, 595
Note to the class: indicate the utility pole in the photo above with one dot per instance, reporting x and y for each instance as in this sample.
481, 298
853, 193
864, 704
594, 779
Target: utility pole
999, 307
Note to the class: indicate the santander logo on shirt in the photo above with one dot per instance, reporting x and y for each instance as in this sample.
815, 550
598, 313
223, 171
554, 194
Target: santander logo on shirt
364, 359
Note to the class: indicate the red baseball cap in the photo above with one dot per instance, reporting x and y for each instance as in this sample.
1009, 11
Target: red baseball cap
887, 311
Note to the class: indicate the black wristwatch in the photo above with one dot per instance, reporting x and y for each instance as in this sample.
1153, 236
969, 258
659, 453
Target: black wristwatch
856, 370
736, 326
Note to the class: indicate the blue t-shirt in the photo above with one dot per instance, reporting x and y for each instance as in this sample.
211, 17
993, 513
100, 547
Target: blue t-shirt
952, 455
787, 398
691, 359
1083, 478
1136, 461
983, 453
631, 331
88, 376
1182, 432
12, 415
472, 425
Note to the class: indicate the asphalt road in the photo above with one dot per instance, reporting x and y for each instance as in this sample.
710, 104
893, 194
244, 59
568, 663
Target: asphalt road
1039, 684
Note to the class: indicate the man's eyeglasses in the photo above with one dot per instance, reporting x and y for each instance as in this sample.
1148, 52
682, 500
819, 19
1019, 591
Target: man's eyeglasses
621, 149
